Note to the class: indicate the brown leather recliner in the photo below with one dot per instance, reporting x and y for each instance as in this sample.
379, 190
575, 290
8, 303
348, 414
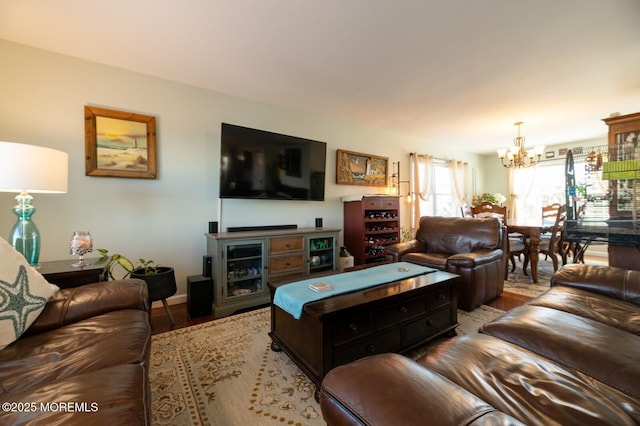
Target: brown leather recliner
474, 248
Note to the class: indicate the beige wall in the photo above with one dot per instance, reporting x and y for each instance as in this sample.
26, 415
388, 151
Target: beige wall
43, 96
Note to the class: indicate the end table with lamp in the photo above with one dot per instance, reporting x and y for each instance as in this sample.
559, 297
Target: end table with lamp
30, 169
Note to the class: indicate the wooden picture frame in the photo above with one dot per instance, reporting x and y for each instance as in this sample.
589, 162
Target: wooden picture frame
119, 144
356, 168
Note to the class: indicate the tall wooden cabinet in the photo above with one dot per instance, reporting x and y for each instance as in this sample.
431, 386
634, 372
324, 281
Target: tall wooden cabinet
370, 224
623, 169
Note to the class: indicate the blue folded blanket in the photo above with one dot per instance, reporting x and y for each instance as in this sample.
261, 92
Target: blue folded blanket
292, 297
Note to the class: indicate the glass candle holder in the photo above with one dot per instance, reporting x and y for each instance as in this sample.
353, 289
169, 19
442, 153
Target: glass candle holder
81, 243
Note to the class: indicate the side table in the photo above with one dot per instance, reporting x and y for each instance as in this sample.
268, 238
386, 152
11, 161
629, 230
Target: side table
62, 274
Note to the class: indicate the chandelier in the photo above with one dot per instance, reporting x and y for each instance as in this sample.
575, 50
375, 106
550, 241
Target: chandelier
517, 156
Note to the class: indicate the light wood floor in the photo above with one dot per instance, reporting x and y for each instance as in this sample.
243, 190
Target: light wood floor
508, 301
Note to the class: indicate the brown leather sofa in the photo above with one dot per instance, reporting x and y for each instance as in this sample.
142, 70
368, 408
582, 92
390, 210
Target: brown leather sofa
477, 249
83, 361
568, 357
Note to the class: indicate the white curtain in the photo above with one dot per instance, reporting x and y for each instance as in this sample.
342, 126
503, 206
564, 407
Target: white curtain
520, 186
459, 177
421, 170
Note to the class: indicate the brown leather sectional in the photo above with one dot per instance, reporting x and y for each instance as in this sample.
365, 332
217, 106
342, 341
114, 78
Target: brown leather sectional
569, 356
83, 361
477, 249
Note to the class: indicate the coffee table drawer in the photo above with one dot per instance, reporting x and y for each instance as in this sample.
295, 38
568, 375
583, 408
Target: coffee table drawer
390, 316
352, 328
424, 327
387, 342
441, 298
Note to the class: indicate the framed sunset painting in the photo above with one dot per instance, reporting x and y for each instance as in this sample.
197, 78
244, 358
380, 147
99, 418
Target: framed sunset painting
119, 144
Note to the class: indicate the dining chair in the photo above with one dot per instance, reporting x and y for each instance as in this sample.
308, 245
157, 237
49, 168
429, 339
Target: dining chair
518, 245
552, 245
489, 209
550, 212
575, 248
549, 215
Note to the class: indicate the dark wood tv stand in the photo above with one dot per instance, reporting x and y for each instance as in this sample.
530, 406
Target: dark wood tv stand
393, 317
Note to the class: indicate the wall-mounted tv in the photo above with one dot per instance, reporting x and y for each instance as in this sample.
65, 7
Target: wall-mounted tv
258, 164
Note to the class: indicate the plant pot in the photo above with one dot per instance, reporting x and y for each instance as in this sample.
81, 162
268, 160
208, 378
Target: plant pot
160, 285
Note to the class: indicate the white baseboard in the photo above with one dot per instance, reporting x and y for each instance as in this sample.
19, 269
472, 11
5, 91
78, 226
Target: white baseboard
173, 300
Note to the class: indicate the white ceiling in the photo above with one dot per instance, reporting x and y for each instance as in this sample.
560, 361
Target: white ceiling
447, 71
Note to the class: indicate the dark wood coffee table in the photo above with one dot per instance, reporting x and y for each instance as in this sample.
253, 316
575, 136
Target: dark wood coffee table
393, 317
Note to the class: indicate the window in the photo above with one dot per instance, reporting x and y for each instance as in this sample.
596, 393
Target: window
442, 200
538, 186
546, 184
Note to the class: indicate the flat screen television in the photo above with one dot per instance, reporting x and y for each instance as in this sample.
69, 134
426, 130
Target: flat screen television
257, 164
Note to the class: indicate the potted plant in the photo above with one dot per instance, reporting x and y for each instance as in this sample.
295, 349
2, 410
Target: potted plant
491, 198
161, 280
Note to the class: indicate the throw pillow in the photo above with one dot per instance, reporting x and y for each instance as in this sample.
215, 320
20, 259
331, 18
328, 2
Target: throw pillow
23, 294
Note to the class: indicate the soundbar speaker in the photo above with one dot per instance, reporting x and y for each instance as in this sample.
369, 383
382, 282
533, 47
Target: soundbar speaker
199, 296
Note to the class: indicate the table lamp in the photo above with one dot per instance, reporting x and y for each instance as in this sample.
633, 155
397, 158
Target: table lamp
28, 168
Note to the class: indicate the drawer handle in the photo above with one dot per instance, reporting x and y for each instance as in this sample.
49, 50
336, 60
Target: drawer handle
442, 296
429, 323
353, 328
371, 349
403, 309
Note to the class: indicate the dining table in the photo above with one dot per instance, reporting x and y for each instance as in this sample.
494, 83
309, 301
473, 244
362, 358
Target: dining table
533, 229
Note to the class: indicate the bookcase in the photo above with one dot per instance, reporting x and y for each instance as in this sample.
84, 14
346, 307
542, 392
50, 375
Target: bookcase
370, 224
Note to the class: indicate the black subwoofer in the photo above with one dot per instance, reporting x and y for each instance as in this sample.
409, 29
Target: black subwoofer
199, 296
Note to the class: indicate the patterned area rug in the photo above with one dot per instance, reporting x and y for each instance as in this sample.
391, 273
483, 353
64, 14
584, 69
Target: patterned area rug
224, 373
522, 284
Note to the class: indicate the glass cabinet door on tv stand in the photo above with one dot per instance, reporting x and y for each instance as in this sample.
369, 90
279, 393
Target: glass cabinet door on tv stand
322, 253
243, 268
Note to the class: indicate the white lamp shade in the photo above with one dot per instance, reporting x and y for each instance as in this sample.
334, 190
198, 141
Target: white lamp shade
32, 168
